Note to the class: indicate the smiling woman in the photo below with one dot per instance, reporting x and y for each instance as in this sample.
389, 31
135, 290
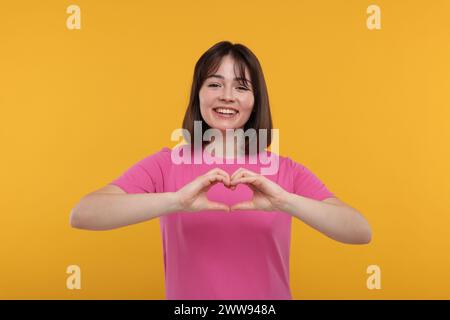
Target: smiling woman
226, 229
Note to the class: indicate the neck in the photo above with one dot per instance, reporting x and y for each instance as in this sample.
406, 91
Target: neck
234, 149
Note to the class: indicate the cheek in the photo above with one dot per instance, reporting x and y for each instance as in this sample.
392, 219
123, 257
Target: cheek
206, 99
247, 103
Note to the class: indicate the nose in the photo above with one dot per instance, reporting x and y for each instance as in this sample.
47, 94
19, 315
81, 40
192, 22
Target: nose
227, 94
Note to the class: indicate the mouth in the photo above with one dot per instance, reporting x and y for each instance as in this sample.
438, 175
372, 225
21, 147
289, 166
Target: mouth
225, 112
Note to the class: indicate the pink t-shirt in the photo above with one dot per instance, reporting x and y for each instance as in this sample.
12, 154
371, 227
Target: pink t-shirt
223, 255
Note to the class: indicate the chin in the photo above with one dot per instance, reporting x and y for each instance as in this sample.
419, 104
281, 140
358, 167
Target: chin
223, 127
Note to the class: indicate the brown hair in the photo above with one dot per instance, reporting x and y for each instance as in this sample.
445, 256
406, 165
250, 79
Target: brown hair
207, 65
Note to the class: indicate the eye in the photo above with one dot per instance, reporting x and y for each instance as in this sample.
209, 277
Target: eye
215, 85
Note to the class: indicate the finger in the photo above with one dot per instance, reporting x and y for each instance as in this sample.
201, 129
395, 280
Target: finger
239, 175
218, 170
242, 172
226, 178
222, 173
254, 180
246, 205
236, 173
211, 205
209, 180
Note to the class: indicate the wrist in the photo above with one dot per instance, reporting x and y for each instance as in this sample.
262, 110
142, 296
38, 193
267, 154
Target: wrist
173, 202
284, 202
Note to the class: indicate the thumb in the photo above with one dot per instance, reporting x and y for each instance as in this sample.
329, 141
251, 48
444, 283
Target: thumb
210, 205
246, 205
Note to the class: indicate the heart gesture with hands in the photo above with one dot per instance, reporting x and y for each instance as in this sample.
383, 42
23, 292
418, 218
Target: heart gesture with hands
267, 195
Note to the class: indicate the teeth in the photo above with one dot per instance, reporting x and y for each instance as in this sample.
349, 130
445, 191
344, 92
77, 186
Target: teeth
224, 110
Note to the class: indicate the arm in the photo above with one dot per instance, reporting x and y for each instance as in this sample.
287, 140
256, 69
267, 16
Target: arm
331, 217
110, 208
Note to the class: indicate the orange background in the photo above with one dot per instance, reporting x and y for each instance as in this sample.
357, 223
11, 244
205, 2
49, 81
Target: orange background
366, 110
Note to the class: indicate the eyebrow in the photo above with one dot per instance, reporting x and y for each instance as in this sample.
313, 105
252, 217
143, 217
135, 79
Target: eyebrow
222, 77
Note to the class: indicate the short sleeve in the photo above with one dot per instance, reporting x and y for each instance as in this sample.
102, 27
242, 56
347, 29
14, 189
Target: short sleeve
307, 184
145, 176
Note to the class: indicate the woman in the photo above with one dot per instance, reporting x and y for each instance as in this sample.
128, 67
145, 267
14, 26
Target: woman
225, 227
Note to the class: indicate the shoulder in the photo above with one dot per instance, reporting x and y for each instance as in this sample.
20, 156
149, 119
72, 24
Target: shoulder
285, 163
157, 160
291, 169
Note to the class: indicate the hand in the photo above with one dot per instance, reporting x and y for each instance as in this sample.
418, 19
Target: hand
192, 197
267, 195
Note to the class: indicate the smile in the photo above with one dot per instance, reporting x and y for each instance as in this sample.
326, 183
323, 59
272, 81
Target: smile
225, 112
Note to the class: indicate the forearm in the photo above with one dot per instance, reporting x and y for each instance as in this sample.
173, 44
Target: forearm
110, 211
341, 223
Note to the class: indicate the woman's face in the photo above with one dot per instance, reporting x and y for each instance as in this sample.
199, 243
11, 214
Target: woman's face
224, 102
